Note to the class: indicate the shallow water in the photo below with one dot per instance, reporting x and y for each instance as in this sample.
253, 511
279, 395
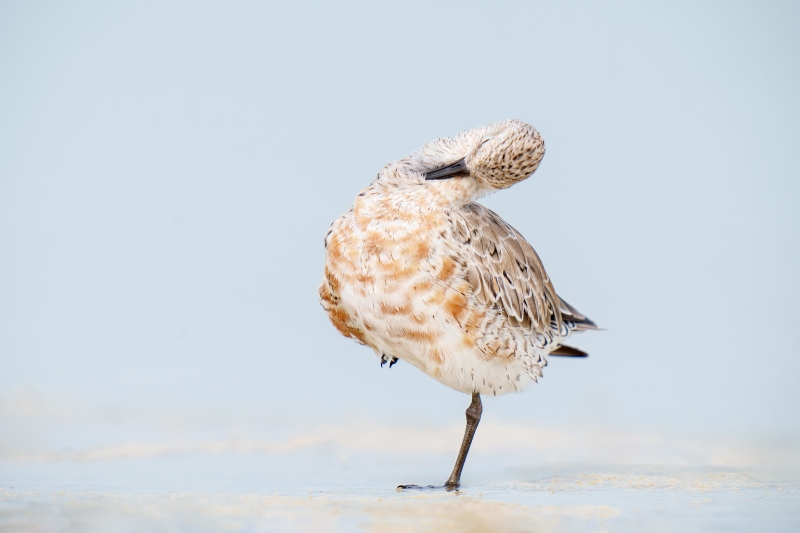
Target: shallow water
158, 473
628, 499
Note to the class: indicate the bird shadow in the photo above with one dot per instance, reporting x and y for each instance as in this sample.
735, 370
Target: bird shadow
428, 488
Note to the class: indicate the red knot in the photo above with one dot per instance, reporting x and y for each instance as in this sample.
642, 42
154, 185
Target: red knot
421, 273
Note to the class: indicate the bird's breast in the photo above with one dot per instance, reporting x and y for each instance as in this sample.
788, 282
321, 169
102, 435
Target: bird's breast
394, 279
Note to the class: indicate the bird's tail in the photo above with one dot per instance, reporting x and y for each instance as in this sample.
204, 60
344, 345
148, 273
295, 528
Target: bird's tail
570, 314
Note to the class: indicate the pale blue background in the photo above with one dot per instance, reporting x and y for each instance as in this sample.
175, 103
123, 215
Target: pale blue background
168, 172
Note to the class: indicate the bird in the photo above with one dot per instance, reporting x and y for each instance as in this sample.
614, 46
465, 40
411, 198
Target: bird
422, 273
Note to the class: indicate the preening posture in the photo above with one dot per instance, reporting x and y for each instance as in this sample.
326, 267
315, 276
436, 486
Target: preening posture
421, 273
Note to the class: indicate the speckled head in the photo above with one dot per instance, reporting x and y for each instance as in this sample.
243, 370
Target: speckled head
498, 155
505, 153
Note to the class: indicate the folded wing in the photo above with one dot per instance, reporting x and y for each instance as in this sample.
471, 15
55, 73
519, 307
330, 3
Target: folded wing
505, 271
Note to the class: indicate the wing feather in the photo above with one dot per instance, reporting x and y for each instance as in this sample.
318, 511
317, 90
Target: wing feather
505, 271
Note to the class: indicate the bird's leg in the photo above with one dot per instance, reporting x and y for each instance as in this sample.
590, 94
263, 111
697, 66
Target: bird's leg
473, 418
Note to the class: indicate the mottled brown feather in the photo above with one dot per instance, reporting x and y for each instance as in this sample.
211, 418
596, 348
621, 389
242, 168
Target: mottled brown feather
505, 271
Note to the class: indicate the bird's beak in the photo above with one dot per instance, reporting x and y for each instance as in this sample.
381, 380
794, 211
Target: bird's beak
459, 168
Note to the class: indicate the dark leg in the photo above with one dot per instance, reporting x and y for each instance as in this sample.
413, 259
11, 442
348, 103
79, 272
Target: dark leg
473, 417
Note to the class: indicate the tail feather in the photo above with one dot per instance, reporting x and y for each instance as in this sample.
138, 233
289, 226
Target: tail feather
569, 351
570, 314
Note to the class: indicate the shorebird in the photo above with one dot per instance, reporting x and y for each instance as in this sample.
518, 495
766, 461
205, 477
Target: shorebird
421, 273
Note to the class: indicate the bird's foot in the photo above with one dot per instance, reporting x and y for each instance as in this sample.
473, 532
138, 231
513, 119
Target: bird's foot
449, 487
385, 359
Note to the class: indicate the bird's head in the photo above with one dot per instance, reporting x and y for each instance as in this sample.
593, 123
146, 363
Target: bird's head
498, 155
457, 170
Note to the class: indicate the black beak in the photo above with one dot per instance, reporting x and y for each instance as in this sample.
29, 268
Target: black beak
455, 169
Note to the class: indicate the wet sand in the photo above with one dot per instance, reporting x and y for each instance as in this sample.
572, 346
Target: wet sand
518, 478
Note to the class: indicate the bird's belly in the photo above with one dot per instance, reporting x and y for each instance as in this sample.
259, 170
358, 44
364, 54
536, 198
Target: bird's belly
413, 320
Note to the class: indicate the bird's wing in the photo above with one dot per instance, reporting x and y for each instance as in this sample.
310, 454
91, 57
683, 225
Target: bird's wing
505, 271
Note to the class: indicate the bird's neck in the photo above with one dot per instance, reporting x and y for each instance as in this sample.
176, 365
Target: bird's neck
422, 196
